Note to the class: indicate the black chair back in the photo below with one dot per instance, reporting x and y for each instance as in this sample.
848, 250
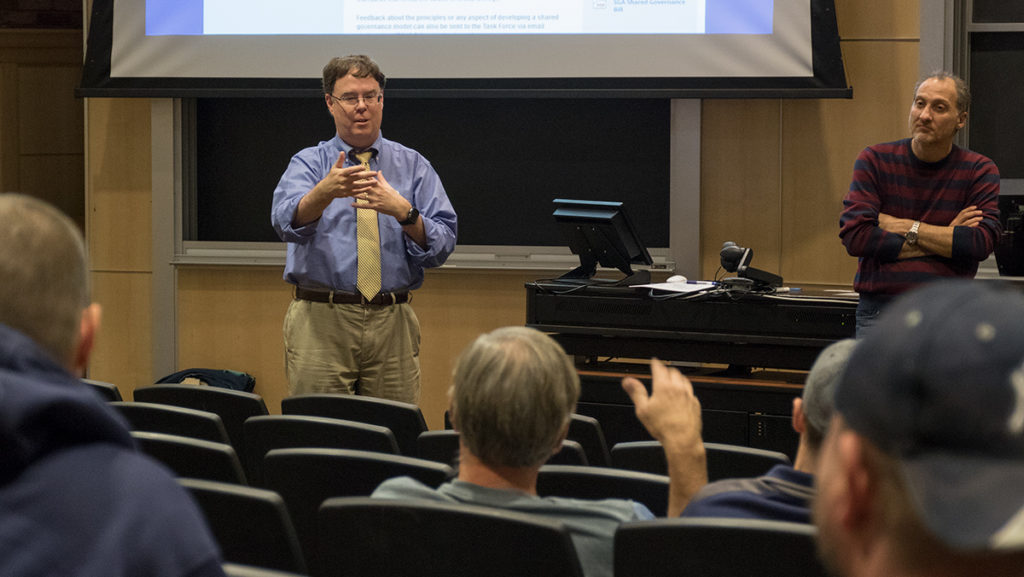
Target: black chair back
722, 547
306, 477
443, 447
192, 458
107, 391
439, 446
251, 525
393, 538
643, 456
587, 432
571, 453
172, 420
604, 483
267, 432
234, 407
404, 419
724, 461
736, 461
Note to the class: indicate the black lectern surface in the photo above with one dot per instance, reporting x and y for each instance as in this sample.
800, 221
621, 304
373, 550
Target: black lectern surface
743, 329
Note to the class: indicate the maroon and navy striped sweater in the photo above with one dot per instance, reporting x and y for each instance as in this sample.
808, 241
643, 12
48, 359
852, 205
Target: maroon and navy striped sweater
888, 178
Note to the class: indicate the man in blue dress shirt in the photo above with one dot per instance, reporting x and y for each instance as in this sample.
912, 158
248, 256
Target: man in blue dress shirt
343, 333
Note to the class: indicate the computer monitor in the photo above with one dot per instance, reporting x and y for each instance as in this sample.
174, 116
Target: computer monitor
600, 232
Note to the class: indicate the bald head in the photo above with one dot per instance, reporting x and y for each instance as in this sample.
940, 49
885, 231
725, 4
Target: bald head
43, 266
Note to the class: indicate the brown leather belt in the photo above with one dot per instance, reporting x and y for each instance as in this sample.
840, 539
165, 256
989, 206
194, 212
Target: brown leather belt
346, 298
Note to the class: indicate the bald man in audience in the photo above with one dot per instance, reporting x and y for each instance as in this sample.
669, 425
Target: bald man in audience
76, 497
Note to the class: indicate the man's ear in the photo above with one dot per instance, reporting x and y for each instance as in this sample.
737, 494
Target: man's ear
451, 415
861, 489
799, 418
87, 329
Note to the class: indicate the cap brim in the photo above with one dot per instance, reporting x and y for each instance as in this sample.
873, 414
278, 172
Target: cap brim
970, 502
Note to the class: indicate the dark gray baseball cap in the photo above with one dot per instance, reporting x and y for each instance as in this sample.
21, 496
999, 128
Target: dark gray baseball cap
939, 385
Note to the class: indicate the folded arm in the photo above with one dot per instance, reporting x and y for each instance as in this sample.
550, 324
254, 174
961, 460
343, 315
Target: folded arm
931, 239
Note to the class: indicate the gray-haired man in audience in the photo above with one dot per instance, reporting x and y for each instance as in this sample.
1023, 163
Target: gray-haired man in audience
512, 396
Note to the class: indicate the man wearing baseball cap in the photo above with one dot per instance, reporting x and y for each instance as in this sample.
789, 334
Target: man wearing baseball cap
922, 471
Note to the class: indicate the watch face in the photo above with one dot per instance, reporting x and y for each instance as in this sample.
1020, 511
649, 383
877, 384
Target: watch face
912, 233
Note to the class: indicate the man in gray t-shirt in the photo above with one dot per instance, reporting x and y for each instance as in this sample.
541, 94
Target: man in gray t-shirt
512, 397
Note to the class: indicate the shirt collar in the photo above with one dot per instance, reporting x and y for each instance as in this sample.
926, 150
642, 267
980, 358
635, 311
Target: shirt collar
350, 151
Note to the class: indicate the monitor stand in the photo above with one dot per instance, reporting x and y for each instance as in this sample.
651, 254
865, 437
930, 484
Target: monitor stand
584, 276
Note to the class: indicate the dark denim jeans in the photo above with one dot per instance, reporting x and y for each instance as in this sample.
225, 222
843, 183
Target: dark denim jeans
869, 306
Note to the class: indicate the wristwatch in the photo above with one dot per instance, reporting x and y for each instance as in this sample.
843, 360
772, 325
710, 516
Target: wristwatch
912, 233
411, 217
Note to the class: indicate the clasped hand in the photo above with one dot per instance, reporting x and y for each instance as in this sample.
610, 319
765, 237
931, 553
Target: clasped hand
369, 188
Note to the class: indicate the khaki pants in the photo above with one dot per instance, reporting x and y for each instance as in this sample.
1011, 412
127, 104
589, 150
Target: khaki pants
364, 350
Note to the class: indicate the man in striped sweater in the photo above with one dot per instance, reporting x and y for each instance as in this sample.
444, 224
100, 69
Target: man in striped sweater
921, 208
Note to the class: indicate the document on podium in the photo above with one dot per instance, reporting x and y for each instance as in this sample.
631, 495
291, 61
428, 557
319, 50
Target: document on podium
690, 286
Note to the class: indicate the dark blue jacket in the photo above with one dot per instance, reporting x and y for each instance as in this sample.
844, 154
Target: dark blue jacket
76, 498
782, 494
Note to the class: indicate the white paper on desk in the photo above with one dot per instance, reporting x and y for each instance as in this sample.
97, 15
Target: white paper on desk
679, 287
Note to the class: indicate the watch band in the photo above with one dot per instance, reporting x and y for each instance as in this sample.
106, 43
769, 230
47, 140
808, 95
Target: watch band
912, 233
411, 217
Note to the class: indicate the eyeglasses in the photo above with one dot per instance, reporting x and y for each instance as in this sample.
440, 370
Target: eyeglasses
370, 98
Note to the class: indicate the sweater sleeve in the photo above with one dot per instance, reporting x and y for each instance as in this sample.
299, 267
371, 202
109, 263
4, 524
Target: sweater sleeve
858, 223
976, 243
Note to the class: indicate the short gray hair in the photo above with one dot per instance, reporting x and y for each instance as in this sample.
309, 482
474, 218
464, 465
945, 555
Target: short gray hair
44, 286
513, 394
963, 92
821, 381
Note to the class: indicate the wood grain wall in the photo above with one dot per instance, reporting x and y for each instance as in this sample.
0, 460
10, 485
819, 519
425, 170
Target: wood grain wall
773, 176
41, 126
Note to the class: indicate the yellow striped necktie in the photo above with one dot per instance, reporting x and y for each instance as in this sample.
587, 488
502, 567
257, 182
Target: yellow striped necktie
368, 244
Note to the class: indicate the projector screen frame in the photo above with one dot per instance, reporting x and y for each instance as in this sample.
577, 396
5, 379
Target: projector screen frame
828, 80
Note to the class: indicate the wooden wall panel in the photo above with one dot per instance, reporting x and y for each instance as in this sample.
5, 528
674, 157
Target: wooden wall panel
118, 232
821, 141
40, 46
120, 184
123, 355
230, 318
878, 19
740, 188
50, 117
41, 121
57, 178
9, 127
